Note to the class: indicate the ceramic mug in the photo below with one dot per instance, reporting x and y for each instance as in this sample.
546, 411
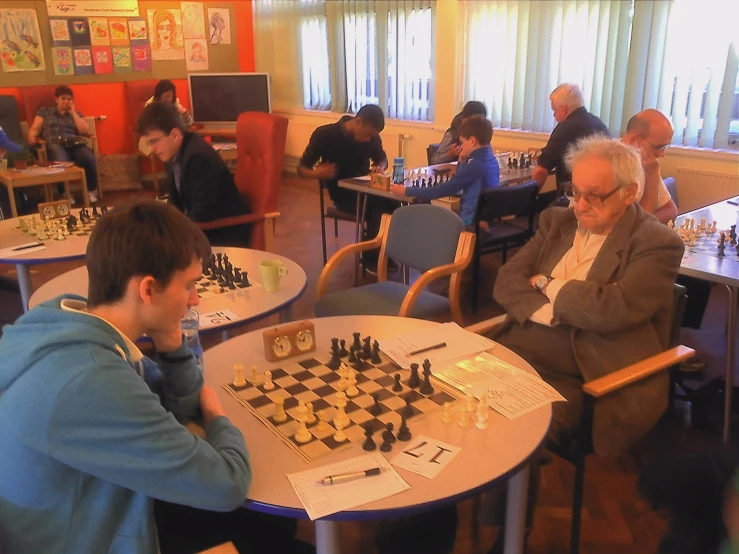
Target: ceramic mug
271, 271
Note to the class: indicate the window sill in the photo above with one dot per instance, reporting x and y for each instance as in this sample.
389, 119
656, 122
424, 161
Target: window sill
334, 116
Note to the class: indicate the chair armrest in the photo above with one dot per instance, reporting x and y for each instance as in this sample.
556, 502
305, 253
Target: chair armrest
638, 371
486, 326
236, 220
422, 282
339, 256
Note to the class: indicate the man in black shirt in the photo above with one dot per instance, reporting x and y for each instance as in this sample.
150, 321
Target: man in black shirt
343, 150
200, 184
574, 122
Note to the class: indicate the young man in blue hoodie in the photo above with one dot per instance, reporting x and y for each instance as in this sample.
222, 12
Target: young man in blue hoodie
478, 172
90, 429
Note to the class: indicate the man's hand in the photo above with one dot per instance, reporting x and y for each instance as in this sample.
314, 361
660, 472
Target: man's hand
398, 190
32, 139
71, 109
456, 150
210, 405
377, 169
532, 280
649, 161
166, 340
325, 171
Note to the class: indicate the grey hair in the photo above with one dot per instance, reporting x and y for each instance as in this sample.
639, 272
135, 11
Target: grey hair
624, 159
567, 94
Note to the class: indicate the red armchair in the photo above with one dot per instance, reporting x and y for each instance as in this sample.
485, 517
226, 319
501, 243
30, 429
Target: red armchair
260, 147
137, 93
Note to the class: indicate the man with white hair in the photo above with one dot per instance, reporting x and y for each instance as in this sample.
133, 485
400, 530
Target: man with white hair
574, 122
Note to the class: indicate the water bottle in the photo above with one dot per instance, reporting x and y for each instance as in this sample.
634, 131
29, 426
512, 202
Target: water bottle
398, 171
190, 324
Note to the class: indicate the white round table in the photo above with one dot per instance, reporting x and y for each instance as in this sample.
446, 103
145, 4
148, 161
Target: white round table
248, 304
500, 452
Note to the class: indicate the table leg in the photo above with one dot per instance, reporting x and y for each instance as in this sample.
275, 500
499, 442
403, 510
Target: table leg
11, 198
357, 234
730, 357
328, 537
24, 282
66, 190
515, 519
85, 196
286, 314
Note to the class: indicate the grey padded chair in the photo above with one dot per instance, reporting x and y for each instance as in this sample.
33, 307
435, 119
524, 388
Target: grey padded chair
672, 189
428, 238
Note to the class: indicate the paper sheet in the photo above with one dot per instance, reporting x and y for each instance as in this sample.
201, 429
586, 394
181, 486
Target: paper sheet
321, 500
363, 178
425, 456
459, 343
220, 317
11, 251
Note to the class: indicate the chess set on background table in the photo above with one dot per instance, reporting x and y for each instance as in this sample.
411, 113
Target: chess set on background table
704, 238
56, 220
221, 277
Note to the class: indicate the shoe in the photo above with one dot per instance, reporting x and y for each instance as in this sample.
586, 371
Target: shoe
92, 195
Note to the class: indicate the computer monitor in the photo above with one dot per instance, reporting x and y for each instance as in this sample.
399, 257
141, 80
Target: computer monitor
221, 97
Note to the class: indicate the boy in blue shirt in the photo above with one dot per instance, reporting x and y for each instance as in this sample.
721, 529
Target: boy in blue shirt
477, 171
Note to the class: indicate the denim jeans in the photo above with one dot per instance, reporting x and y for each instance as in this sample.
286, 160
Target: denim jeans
83, 156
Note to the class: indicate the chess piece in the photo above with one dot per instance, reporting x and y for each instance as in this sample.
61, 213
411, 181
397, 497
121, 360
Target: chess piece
404, 433
407, 409
397, 387
713, 227
239, 380
376, 359
426, 387
341, 408
339, 436
352, 390
366, 349
335, 361
302, 411
95, 213
343, 352
104, 209
691, 241
280, 415
387, 438
464, 418
722, 246
369, 443
268, 384
732, 235
352, 359
322, 423
255, 378
302, 435
245, 279
447, 415
703, 223
670, 224
482, 415
376, 408
310, 418
356, 345
414, 381
237, 276
470, 404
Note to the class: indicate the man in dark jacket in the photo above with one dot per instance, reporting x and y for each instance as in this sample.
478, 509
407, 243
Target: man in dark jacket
200, 184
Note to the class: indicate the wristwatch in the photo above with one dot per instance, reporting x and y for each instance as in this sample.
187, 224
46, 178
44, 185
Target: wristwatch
542, 281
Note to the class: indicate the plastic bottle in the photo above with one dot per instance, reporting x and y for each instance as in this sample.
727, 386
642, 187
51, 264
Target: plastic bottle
190, 324
398, 171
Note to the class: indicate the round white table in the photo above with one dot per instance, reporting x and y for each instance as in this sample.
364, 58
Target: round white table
499, 453
248, 304
72, 248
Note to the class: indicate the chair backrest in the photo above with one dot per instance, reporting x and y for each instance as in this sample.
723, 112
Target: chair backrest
504, 201
35, 98
430, 151
137, 93
423, 236
672, 189
679, 300
9, 118
260, 148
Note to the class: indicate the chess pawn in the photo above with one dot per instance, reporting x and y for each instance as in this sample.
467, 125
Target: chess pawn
703, 223
302, 410
470, 404
255, 378
352, 389
303, 435
670, 224
239, 380
447, 415
310, 416
482, 416
280, 415
268, 384
464, 418
322, 423
339, 436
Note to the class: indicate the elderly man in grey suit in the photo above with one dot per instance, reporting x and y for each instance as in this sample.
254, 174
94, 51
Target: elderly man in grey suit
592, 293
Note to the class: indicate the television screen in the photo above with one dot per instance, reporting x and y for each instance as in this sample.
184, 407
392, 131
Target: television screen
221, 97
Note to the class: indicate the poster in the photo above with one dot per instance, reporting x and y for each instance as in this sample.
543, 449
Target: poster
118, 31
219, 25
61, 57
83, 61
137, 29
141, 56
99, 33
122, 62
92, 8
102, 59
193, 20
20, 41
196, 54
165, 34
59, 32
79, 31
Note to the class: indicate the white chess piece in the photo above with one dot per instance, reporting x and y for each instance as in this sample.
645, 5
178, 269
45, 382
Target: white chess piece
280, 414
691, 242
239, 380
255, 378
339, 436
464, 418
703, 223
713, 228
322, 423
352, 390
302, 410
303, 435
670, 224
470, 404
268, 384
310, 416
482, 415
447, 416
341, 415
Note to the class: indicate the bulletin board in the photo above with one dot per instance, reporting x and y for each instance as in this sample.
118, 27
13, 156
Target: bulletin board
97, 50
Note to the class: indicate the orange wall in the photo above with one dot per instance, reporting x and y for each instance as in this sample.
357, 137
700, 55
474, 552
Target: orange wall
114, 133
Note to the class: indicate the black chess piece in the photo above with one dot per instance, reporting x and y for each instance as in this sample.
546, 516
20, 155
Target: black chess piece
352, 359
376, 359
237, 276
335, 361
369, 443
219, 260
386, 446
366, 348
414, 380
407, 409
334, 344
70, 223
397, 387
230, 282
722, 246
357, 344
103, 209
387, 434
426, 387
376, 408
404, 433
732, 235
95, 213
343, 352
245, 279
225, 260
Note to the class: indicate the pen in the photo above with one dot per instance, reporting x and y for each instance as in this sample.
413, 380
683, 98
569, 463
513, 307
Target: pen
344, 477
422, 350
27, 246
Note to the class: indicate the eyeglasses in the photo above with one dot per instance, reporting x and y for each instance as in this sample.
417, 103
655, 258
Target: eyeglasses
154, 140
595, 200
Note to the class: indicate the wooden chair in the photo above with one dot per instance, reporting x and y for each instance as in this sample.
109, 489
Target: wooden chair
331, 212
429, 238
581, 446
672, 188
430, 151
137, 93
260, 140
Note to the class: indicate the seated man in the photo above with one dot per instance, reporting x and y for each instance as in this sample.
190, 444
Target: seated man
574, 122
651, 132
199, 182
592, 293
165, 91
343, 150
90, 430
61, 128
450, 147
479, 173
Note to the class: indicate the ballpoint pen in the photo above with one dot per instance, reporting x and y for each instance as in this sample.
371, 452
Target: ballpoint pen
344, 477
27, 246
422, 350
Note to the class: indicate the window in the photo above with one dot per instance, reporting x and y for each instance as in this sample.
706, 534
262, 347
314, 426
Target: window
626, 56
345, 60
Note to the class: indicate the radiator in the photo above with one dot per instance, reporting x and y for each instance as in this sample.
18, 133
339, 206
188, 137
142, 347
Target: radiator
700, 187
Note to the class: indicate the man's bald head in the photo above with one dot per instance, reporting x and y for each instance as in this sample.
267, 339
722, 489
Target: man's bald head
650, 127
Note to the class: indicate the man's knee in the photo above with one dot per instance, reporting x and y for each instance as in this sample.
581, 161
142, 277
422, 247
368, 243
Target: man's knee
57, 153
84, 156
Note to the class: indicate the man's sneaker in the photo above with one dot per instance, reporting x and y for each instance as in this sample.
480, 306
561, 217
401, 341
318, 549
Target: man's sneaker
92, 195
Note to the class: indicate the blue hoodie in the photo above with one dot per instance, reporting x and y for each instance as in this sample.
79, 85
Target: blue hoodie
88, 437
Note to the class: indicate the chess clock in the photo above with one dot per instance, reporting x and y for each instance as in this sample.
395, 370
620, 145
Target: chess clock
54, 210
290, 339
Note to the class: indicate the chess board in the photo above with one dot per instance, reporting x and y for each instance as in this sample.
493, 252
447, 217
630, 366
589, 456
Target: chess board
311, 381
208, 287
51, 229
707, 245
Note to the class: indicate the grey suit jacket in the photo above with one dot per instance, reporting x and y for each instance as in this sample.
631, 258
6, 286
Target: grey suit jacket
620, 314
